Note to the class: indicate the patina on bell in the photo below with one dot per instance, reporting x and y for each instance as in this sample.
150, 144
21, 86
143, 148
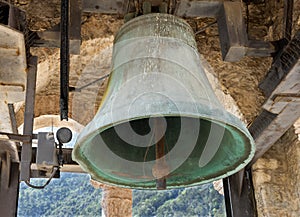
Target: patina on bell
160, 122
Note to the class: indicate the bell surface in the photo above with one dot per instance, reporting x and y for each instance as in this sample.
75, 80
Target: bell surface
159, 123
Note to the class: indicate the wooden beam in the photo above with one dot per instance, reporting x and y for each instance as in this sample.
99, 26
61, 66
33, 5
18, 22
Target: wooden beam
51, 37
75, 27
232, 31
285, 104
281, 65
260, 49
282, 86
279, 113
239, 195
206, 8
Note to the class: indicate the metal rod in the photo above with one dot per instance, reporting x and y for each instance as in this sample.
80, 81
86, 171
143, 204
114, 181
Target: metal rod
13, 121
159, 148
64, 60
28, 119
15, 137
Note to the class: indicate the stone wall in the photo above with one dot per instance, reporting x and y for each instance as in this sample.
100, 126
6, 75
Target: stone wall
276, 179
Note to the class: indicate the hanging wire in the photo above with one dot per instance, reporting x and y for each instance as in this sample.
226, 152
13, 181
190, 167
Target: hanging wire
78, 89
205, 27
55, 169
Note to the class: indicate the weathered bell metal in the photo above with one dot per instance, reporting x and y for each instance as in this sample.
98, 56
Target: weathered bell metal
160, 124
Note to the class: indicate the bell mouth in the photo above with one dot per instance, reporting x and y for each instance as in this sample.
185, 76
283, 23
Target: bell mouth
196, 151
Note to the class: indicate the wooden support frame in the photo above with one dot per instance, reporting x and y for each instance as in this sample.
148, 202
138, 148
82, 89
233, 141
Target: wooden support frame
280, 111
232, 29
282, 86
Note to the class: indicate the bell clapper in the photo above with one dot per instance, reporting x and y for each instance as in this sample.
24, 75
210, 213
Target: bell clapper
160, 169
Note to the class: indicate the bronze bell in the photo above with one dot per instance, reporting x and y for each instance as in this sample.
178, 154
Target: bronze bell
160, 124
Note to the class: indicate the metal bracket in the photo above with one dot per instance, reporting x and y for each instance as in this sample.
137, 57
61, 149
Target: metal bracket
16, 137
46, 157
26, 152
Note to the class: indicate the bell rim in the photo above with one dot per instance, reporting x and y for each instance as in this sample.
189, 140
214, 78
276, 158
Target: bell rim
77, 156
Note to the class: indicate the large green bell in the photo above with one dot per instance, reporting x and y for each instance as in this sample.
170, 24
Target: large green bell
160, 123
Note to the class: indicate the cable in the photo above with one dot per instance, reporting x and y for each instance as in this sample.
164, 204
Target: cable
78, 89
48, 181
205, 27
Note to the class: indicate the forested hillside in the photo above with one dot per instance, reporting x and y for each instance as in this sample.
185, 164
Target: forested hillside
73, 195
